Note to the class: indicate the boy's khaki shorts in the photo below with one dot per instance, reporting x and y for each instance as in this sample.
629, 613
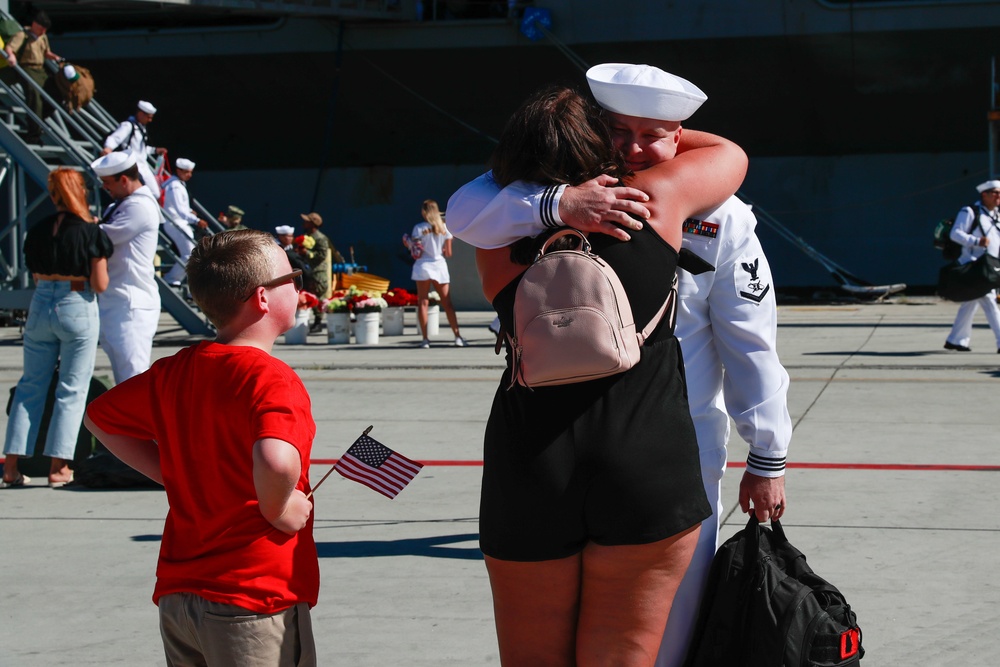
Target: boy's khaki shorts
196, 631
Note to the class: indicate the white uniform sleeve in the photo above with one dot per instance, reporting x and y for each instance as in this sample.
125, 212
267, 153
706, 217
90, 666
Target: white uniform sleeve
961, 231
177, 203
484, 216
119, 136
744, 324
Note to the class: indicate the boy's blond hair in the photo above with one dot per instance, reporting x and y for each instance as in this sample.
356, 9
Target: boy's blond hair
227, 267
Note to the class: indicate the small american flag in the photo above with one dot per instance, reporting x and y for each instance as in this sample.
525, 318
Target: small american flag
376, 466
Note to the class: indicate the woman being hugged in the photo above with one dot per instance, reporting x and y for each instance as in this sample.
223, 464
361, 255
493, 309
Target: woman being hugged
67, 254
592, 495
430, 245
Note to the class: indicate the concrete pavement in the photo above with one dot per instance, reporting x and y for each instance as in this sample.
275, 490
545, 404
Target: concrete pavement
893, 489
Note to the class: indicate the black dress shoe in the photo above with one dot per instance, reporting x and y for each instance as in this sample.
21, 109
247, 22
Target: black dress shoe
958, 348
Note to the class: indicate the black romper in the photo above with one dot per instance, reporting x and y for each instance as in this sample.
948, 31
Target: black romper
614, 461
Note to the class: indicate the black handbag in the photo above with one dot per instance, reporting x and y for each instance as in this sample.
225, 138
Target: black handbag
965, 282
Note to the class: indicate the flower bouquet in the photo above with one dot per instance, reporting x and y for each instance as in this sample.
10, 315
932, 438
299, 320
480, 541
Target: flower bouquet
434, 298
307, 300
397, 297
367, 303
337, 303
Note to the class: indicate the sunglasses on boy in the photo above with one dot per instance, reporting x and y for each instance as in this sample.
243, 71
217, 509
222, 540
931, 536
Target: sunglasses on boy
295, 277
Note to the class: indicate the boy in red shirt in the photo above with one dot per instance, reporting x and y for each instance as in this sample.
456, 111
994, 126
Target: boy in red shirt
227, 429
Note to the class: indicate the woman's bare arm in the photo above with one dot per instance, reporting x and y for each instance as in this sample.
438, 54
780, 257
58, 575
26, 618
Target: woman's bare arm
708, 171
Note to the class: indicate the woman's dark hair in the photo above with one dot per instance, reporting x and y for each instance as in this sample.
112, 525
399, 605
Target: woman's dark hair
556, 136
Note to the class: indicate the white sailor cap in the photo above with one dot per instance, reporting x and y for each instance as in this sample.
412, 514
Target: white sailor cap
70, 73
988, 185
146, 107
113, 163
644, 91
184, 163
282, 230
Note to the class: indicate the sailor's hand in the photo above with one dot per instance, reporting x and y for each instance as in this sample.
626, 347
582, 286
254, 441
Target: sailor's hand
765, 495
594, 207
105, 151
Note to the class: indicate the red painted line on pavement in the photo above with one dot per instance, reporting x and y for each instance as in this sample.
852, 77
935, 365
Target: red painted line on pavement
936, 467
742, 464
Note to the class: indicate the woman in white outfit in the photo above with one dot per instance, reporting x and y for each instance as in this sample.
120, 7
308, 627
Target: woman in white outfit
430, 244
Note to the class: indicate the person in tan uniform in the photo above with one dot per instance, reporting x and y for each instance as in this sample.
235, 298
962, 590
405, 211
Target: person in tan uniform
30, 49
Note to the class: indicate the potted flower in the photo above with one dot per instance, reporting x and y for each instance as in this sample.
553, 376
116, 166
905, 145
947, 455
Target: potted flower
338, 318
396, 299
366, 308
299, 332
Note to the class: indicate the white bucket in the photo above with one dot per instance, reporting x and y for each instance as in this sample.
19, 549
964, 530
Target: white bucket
392, 321
366, 328
299, 333
433, 320
338, 328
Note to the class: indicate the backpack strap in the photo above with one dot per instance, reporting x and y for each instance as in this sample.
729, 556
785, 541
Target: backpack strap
128, 139
568, 231
668, 309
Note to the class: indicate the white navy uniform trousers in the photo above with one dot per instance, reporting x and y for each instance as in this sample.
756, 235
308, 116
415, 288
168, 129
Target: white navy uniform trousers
179, 225
136, 144
727, 326
967, 233
130, 307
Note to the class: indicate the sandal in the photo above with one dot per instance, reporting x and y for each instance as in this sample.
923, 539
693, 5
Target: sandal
59, 485
17, 483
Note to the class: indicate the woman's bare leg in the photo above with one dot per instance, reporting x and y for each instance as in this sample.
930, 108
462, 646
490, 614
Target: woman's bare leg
449, 310
423, 289
535, 606
626, 597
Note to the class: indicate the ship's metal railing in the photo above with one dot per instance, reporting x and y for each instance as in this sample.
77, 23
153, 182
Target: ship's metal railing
68, 140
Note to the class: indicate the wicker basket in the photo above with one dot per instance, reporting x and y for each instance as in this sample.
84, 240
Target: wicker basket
363, 281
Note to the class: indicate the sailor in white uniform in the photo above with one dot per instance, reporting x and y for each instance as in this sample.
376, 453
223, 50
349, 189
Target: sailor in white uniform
977, 230
130, 307
727, 321
130, 136
180, 221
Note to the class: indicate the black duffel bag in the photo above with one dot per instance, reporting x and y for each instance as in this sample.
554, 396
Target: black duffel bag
965, 282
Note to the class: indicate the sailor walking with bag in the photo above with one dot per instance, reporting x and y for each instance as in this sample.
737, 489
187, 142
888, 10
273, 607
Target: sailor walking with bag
977, 230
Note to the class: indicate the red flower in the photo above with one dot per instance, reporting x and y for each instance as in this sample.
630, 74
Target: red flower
398, 297
307, 300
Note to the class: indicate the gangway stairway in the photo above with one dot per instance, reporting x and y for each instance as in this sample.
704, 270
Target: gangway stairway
68, 140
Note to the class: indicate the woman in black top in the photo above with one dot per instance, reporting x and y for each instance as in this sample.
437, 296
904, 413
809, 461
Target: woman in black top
67, 254
592, 495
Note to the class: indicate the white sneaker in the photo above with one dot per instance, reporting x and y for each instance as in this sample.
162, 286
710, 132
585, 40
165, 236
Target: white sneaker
425, 344
460, 342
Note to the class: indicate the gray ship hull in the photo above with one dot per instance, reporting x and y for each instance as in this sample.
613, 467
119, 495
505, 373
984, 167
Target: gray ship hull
864, 126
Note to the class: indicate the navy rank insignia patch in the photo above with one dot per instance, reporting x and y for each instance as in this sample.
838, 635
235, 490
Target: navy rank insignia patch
701, 228
749, 285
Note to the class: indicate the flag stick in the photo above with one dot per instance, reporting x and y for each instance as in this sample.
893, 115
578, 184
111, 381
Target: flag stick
366, 432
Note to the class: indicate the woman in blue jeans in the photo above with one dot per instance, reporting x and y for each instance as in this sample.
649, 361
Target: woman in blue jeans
67, 254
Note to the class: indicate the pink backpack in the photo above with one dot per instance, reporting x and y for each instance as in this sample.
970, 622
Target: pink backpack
572, 319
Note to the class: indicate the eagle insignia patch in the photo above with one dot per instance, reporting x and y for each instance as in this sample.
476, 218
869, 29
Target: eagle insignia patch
749, 285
